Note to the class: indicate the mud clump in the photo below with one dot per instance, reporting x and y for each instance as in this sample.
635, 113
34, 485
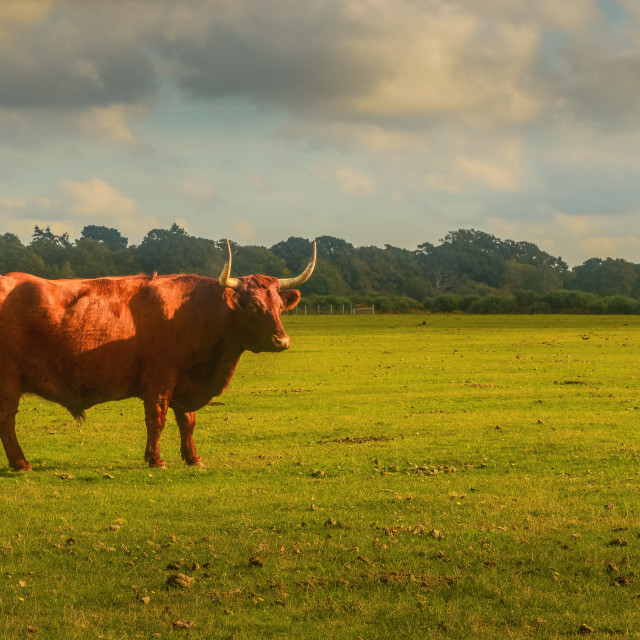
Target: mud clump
180, 581
256, 561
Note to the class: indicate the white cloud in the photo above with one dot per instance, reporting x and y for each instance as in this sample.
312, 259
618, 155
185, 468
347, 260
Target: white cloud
584, 147
18, 214
23, 226
198, 189
479, 63
472, 166
361, 136
501, 172
446, 181
96, 198
89, 70
443, 64
460, 112
244, 230
109, 123
575, 238
17, 130
136, 227
601, 236
573, 15
12, 203
355, 182
15, 14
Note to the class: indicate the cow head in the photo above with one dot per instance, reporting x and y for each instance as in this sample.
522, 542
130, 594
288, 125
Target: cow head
258, 301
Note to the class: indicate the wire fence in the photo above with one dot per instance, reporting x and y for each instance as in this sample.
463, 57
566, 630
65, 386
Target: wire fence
331, 310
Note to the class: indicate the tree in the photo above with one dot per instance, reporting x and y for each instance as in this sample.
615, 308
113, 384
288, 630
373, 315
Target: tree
328, 278
52, 249
342, 256
620, 305
47, 236
529, 253
465, 254
605, 277
528, 277
92, 259
390, 270
14, 256
253, 259
174, 251
440, 278
110, 237
296, 252
416, 287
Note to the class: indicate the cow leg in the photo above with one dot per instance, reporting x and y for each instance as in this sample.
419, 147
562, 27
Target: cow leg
155, 415
186, 422
9, 400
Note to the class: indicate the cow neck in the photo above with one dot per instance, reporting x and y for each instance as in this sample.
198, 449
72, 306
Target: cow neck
225, 353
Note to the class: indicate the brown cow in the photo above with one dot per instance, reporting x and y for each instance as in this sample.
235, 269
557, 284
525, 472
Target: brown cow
173, 341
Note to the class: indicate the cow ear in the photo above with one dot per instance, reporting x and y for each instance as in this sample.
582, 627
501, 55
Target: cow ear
231, 298
290, 298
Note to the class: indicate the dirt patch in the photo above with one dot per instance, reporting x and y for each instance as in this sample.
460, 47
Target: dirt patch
221, 597
422, 528
357, 440
184, 624
258, 392
479, 385
425, 582
180, 581
425, 469
335, 524
618, 542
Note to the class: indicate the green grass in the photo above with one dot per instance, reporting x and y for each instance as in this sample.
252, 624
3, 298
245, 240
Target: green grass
398, 476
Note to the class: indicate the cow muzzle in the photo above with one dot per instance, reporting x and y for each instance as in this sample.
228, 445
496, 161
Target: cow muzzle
280, 343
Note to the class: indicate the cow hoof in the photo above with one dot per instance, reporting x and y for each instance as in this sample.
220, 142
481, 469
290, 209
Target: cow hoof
196, 463
20, 465
158, 465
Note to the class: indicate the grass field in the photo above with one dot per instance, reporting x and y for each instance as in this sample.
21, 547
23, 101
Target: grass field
388, 477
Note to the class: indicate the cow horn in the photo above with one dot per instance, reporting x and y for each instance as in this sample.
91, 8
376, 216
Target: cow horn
290, 283
225, 279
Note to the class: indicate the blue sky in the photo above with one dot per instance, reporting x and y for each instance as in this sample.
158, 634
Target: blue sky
376, 121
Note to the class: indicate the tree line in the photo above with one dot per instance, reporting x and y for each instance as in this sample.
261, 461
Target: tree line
468, 270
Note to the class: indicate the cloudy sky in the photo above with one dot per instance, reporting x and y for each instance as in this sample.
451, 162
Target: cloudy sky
377, 121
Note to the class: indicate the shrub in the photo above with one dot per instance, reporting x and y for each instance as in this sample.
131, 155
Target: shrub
540, 306
468, 301
620, 304
596, 306
361, 300
528, 301
383, 304
405, 304
493, 304
569, 301
446, 303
